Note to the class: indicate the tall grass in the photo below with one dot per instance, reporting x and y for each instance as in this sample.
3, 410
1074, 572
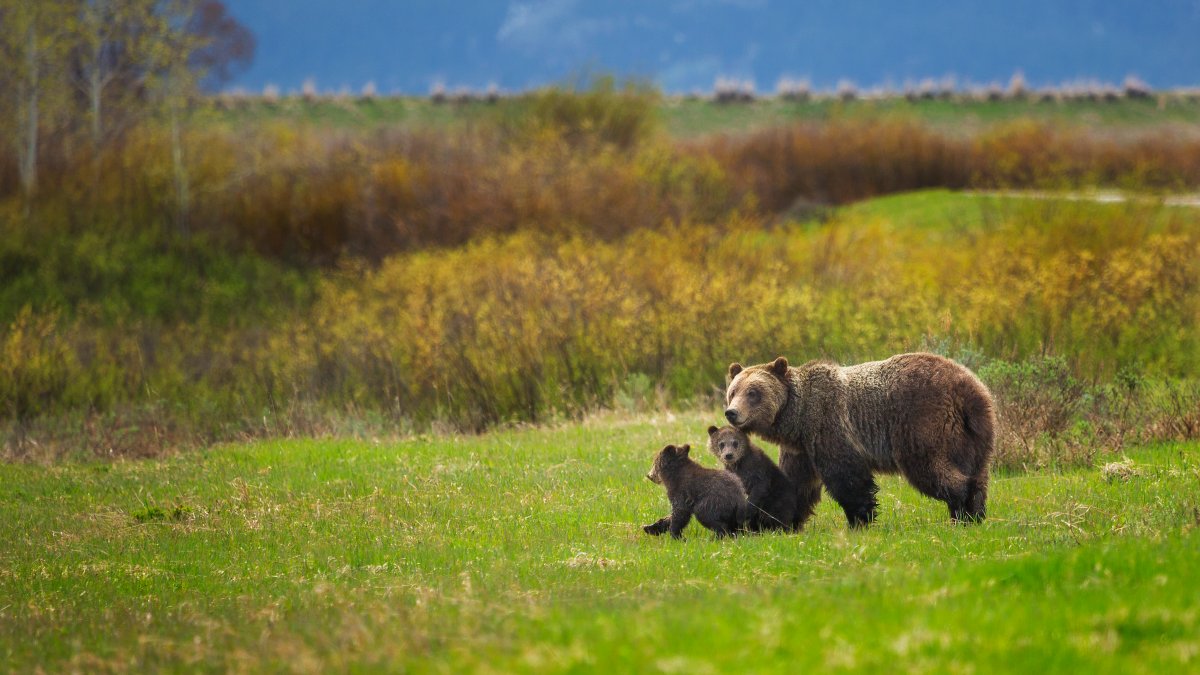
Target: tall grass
520, 327
542, 264
593, 161
845, 161
534, 325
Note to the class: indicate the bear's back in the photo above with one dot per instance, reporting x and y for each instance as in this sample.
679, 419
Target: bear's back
695, 483
891, 397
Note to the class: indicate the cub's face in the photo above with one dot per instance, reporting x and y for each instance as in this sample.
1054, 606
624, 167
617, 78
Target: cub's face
727, 444
665, 460
754, 395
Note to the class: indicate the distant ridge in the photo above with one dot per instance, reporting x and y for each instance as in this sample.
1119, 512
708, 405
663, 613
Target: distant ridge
685, 45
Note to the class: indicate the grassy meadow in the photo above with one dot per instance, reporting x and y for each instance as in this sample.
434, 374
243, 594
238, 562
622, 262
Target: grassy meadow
690, 118
317, 384
521, 551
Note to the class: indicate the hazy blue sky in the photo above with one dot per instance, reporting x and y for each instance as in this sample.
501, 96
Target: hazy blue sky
407, 45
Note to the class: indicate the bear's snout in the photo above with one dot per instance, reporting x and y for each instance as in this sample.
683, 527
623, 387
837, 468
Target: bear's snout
728, 457
731, 415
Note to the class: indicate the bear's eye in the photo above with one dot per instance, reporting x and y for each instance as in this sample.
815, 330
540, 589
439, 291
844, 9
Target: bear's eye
753, 395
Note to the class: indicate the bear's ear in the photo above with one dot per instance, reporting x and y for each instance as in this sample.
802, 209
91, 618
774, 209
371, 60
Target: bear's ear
683, 450
669, 449
734, 369
712, 430
780, 367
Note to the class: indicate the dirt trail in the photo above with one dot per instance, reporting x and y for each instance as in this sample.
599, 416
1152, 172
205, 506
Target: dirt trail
1102, 197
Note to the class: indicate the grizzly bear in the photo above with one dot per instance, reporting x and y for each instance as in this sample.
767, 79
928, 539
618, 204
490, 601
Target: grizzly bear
715, 497
920, 415
772, 496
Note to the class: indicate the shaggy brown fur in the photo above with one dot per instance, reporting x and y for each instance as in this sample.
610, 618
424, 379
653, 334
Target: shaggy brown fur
716, 498
920, 415
772, 496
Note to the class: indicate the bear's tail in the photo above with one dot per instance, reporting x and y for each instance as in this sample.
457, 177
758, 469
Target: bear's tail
978, 418
979, 428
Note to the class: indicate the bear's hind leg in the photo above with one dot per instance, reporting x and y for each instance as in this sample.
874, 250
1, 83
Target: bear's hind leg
975, 506
944, 484
680, 517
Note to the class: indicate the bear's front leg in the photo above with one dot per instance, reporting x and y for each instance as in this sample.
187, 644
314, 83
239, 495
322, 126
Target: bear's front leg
797, 464
723, 530
748, 518
657, 527
849, 480
763, 520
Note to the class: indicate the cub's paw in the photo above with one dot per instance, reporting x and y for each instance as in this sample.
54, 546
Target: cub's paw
658, 527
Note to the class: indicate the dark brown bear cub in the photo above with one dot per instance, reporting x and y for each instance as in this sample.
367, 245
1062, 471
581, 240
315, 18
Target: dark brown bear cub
772, 496
715, 497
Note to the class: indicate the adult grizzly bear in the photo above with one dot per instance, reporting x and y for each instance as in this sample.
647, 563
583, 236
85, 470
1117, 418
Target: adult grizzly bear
921, 415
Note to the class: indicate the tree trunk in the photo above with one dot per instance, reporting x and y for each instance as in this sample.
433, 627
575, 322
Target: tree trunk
95, 89
29, 151
182, 194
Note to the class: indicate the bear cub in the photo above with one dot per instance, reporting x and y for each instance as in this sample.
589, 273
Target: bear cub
772, 496
716, 498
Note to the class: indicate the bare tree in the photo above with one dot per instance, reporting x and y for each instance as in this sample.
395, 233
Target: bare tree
110, 58
100, 66
29, 43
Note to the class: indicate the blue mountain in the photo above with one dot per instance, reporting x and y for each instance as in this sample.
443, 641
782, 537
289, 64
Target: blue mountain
683, 45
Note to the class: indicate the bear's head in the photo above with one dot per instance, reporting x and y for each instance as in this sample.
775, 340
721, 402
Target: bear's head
754, 395
666, 461
728, 444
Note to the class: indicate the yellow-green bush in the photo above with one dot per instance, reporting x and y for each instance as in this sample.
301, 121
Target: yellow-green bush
36, 366
536, 324
622, 114
518, 327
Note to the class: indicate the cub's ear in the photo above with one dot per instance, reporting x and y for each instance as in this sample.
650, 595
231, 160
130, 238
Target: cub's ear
712, 430
683, 449
780, 367
734, 369
668, 449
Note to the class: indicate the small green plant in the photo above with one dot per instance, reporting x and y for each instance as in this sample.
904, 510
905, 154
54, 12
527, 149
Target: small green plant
635, 393
176, 514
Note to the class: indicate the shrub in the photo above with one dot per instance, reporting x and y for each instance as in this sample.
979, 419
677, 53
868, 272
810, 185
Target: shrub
1037, 403
36, 367
621, 114
570, 256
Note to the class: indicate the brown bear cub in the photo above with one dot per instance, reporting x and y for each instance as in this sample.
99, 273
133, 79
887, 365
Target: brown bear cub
772, 496
716, 498
920, 415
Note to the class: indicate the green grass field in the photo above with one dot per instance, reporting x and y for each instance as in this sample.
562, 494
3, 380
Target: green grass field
686, 118
520, 550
